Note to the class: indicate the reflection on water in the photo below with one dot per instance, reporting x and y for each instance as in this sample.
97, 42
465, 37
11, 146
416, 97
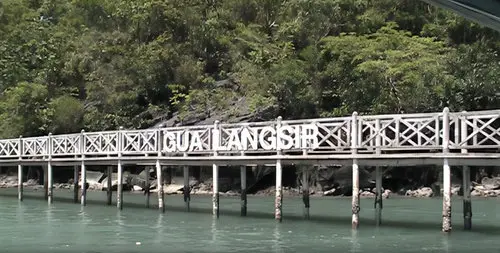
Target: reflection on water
355, 245
446, 243
32, 226
159, 228
277, 242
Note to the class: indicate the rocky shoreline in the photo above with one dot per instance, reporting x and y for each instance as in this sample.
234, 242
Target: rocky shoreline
489, 187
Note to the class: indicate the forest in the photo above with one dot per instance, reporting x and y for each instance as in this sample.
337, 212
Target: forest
101, 64
98, 65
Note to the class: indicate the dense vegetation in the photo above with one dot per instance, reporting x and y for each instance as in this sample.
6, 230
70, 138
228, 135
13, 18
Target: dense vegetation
100, 64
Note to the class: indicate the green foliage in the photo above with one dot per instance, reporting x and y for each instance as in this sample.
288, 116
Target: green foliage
66, 115
23, 110
98, 65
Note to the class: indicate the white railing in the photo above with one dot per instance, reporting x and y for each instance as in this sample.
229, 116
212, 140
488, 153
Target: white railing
428, 132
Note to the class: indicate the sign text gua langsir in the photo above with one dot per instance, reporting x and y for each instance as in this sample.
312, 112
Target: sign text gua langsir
242, 138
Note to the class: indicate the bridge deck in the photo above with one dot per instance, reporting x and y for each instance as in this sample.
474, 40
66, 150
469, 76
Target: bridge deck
464, 137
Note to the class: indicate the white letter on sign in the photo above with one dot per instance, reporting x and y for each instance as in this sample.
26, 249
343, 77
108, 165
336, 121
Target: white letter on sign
309, 136
195, 142
271, 139
234, 140
183, 141
169, 141
285, 134
249, 137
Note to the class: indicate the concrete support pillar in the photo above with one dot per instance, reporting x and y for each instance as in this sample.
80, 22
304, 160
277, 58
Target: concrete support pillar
45, 183
467, 198
355, 194
20, 182
119, 193
446, 196
75, 183
305, 191
109, 190
83, 198
147, 186
159, 178
446, 173
243, 176
50, 183
378, 196
215, 186
279, 192
187, 188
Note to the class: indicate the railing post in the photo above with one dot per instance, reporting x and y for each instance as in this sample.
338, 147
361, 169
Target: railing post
119, 194
215, 170
446, 173
49, 170
278, 203
83, 198
20, 171
355, 172
466, 184
159, 174
378, 176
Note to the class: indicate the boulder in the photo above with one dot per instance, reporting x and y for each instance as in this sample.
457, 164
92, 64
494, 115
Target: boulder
491, 183
172, 188
423, 192
386, 194
455, 189
367, 194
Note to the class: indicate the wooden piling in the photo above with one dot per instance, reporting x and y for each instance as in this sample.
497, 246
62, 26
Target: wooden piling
305, 191
109, 190
119, 193
20, 182
147, 187
215, 188
279, 192
466, 185
355, 194
50, 183
83, 198
45, 183
75, 183
159, 178
243, 176
187, 189
378, 196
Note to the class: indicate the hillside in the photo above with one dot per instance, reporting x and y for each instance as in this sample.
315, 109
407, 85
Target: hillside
98, 65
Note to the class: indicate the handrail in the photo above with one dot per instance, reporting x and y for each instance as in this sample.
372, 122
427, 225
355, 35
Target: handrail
420, 132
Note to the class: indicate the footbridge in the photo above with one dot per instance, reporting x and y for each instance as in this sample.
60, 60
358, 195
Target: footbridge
442, 138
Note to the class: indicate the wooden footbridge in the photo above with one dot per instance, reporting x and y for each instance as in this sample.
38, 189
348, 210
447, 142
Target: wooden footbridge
446, 138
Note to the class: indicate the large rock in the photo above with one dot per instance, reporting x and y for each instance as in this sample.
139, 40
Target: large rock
491, 183
94, 179
367, 194
423, 192
172, 188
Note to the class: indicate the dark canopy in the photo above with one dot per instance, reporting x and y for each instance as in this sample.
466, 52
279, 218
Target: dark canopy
485, 12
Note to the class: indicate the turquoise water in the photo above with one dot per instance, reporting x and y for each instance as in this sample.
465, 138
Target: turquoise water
409, 225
